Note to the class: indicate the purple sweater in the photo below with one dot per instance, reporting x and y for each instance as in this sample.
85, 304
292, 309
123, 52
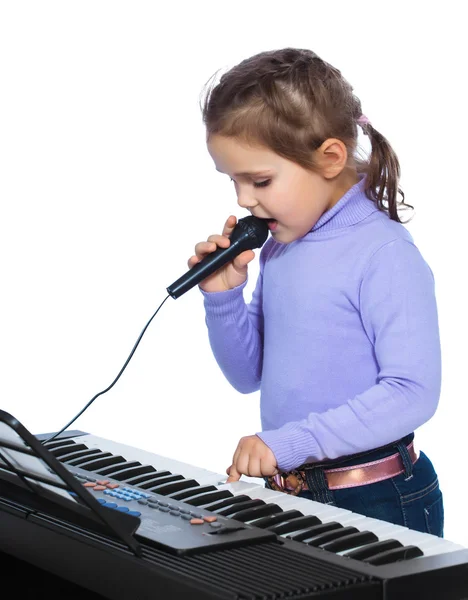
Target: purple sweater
341, 336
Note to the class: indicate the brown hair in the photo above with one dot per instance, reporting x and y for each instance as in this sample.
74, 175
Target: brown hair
291, 101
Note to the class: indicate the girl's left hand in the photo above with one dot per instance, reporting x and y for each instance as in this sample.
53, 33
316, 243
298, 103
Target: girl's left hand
253, 458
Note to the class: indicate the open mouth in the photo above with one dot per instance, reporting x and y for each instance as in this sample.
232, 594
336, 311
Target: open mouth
272, 224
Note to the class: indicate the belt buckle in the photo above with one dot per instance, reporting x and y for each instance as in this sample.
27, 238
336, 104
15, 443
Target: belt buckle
293, 478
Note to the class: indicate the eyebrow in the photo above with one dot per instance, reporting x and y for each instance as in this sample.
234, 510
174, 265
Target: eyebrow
249, 173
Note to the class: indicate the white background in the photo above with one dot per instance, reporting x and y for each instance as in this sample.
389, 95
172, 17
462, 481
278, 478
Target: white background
106, 185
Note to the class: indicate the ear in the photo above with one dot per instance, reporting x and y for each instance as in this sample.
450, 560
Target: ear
332, 156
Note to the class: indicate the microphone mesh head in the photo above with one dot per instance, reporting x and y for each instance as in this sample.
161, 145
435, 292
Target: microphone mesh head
254, 231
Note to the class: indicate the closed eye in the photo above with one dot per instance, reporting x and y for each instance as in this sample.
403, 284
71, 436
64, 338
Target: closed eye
259, 183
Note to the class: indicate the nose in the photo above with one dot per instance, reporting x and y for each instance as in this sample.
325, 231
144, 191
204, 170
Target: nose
246, 199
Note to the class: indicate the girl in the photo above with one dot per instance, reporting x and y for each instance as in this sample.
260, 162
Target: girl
341, 335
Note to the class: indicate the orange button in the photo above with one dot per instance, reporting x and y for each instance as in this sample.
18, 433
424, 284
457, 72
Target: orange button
102, 481
210, 519
112, 486
99, 488
195, 521
89, 484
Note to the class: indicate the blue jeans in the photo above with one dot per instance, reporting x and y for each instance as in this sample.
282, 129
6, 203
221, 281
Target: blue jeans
412, 499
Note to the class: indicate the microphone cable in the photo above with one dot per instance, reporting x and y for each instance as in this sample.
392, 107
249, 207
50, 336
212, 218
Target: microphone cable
113, 383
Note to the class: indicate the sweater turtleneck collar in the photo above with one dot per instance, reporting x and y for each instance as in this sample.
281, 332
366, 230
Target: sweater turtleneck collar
350, 209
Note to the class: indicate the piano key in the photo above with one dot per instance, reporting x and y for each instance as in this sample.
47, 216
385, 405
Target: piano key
267, 522
329, 536
66, 450
230, 510
84, 460
206, 498
96, 464
154, 476
156, 481
249, 514
118, 470
175, 486
394, 555
372, 549
130, 470
67, 458
309, 532
185, 495
226, 502
57, 444
353, 540
295, 524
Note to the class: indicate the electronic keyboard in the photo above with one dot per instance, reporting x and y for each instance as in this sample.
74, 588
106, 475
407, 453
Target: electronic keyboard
178, 530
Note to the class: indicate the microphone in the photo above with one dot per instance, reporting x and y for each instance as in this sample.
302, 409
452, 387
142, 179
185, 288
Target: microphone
249, 233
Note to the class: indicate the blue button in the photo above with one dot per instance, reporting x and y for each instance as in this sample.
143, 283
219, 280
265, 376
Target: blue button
135, 513
110, 505
101, 501
122, 508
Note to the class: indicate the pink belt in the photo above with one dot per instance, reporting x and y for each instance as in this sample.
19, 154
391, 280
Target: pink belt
345, 477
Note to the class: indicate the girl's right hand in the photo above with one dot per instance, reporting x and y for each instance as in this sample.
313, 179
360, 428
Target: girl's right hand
233, 273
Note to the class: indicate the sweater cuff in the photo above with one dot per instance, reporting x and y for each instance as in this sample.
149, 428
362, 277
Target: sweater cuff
291, 445
224, 305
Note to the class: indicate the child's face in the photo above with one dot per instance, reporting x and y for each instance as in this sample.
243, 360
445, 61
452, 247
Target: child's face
276, 188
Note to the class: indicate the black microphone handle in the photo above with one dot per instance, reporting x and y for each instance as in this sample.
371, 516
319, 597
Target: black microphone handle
208, 265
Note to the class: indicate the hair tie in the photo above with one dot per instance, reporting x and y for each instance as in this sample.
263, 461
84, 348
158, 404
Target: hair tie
363, 120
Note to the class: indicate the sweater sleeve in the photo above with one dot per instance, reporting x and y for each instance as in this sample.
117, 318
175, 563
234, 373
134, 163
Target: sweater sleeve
399, 315
235, 331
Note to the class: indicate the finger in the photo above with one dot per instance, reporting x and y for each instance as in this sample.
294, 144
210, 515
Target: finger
204, 248
234, 475
254, 468
241, 463
192, 261
228, 228
220, 240
267, 469
243, 259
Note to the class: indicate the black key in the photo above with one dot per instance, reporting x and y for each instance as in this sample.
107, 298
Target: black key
329, 536
150, 476
230, 510
117, 467
315, 530
128, 471
67, 449
59, 443
75, 460
160, 481
395, 555
372, 549
102, 461
249, 514
82, 462
175, 486
207, 497
350, 541
295, 524
271, 520
226, 502
192, 492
